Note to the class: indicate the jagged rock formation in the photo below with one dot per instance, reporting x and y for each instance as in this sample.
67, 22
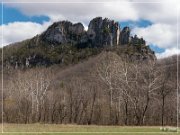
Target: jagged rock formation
104, 32
64, 42
63, 32
101, 32
125, 36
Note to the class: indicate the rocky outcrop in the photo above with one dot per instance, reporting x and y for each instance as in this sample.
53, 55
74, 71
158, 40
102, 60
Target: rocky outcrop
63, 32
125, 36
64, 42
103, 32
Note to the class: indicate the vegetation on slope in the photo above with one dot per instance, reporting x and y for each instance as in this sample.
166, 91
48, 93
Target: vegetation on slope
104, 90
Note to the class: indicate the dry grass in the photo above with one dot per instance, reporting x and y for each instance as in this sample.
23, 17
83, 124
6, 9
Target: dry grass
55, 129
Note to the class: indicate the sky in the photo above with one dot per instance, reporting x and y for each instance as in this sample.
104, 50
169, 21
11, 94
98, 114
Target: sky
157, 21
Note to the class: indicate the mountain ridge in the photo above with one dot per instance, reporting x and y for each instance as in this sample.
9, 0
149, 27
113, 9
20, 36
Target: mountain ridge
64, 42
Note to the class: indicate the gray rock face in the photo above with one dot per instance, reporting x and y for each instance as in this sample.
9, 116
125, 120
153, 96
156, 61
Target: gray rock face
63, 32
125, 36
76, 29
100, 32
103, 32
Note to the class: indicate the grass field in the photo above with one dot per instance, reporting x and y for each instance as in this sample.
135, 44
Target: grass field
55, 129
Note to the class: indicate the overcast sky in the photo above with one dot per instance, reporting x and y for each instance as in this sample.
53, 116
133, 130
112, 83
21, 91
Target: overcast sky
154, 20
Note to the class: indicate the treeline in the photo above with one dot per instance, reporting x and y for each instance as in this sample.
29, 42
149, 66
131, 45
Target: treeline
109, 90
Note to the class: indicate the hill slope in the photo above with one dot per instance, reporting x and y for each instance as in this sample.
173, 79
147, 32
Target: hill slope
106, 89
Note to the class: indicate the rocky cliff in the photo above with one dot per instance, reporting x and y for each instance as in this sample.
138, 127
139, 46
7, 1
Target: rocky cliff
101, 32
64, 42
63, 32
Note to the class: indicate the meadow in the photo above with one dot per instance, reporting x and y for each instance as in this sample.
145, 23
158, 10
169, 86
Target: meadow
57, 129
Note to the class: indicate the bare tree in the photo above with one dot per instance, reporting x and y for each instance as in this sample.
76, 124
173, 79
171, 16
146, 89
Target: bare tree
29, 91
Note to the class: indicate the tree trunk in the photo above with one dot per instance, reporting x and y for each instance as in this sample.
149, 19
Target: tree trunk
162, 115
92, 108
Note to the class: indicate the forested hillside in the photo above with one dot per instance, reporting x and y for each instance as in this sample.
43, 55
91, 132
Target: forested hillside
102, 76
105, 90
